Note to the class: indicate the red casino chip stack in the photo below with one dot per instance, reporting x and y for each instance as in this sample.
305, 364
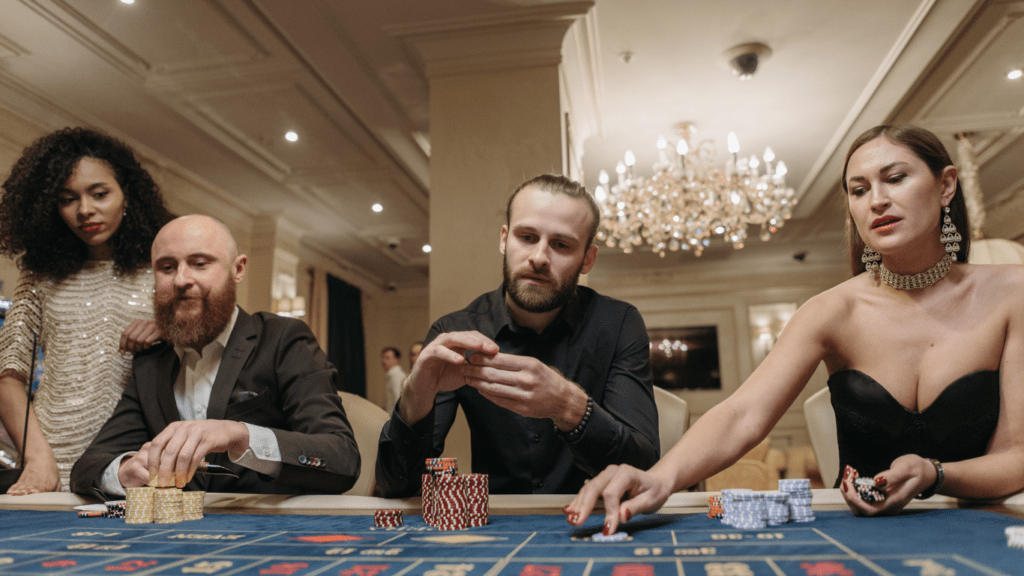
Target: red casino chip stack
715, 509
449, 503
453, 502
387, 518
477, 496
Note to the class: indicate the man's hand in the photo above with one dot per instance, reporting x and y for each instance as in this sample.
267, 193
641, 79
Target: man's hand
172, 458
527, 387
440, 368
139, 336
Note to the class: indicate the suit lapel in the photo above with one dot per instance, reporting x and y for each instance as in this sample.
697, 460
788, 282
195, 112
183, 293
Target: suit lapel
161, 375
240, 346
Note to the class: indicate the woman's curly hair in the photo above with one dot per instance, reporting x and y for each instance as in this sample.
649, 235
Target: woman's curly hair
31, 227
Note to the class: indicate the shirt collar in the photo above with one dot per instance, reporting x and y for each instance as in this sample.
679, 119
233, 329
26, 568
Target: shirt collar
221, 339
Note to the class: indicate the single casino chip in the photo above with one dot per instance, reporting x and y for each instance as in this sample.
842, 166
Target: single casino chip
617, 537
91, 514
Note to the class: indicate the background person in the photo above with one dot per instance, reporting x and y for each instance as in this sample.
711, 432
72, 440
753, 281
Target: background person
562, 385
79, 212
254, 394
414, 353
925, 353
391, 362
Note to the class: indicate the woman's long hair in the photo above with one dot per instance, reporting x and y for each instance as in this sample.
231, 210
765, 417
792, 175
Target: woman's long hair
31, 227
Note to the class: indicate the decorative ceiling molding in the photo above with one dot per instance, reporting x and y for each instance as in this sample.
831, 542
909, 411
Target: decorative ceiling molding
926, 33
91, 36
842, 133
526, 38
969, 61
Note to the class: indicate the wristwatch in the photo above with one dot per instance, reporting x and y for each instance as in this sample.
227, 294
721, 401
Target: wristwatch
940, 477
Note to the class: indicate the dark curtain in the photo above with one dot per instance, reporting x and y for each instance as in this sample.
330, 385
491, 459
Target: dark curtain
345, 348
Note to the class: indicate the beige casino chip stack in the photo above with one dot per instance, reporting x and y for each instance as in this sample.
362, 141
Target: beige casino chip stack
192, 505
167, 506
139, 505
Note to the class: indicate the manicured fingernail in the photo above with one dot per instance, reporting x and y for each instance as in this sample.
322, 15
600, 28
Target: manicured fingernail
626, 516
880, 481
844, 486
607, 529
565, 509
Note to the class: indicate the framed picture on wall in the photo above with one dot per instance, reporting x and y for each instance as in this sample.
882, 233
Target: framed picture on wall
686, 358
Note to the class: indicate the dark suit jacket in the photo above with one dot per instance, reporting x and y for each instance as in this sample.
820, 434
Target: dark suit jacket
272, 374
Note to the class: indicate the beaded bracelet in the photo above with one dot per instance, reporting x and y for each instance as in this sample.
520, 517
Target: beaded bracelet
574, 434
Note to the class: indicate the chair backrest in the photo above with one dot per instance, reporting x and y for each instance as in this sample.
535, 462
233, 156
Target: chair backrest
821, 425
996, 251
366, 419
673, 418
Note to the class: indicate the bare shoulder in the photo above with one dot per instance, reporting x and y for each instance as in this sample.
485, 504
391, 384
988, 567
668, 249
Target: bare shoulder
994, 280
829, 307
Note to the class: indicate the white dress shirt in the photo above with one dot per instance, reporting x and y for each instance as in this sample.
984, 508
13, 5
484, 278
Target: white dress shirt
192, 390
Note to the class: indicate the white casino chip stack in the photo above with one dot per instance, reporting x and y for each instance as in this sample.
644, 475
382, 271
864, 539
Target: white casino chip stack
799, 490
1015, 537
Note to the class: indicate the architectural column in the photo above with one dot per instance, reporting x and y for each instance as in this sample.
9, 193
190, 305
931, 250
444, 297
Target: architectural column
497, 118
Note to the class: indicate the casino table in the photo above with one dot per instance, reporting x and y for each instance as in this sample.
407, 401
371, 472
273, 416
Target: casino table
526, 536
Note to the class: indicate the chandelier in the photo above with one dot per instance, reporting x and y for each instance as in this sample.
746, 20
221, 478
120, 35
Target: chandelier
689, 198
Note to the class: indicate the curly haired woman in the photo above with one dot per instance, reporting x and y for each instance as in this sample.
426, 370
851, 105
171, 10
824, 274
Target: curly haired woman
79, 212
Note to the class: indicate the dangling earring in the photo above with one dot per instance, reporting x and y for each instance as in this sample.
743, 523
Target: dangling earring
950, 237
870, 258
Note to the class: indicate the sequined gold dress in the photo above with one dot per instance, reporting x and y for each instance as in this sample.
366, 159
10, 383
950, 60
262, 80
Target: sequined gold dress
79, 321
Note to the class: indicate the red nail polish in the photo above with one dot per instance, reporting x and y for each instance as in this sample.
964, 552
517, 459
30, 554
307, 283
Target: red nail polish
565, 509
607, 529
844, 486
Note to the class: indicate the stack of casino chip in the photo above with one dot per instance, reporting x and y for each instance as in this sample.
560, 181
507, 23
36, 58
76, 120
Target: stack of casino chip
167, 506
799, 490
387, 518
192, 505
139, 505
715, 509
728, 496
777, 505
477, 500
867, 490
449, 503
116, 508
1015, 537
747, 511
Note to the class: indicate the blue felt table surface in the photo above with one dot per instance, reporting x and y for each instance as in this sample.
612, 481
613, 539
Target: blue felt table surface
946, 542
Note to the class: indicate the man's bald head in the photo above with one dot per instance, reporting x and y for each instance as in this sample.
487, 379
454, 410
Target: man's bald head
214, 232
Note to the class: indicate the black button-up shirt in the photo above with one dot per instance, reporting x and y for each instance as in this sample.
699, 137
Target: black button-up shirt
599, 343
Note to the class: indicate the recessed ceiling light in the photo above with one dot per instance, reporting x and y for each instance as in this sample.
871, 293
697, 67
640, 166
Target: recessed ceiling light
291, 136
427, 248
1014, 74
377, 208
127, 1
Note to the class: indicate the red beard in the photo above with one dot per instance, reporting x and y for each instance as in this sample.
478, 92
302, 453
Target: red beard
194, 322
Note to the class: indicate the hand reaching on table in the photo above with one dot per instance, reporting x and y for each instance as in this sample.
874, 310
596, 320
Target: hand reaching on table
172, 458
643, 492
39, 475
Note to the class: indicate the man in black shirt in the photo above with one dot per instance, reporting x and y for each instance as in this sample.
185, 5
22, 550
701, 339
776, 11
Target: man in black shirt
554, 379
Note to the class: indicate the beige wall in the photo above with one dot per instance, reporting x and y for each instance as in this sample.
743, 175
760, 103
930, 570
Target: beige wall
708, 295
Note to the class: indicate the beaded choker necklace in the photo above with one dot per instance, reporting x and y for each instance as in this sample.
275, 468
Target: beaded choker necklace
919, 280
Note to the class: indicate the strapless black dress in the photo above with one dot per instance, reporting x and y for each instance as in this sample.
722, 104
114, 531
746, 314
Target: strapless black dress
874, 428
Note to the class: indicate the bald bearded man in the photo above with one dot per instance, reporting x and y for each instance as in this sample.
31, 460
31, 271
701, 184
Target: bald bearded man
252, 393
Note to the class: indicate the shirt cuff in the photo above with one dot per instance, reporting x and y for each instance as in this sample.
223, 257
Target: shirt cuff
264, 453
110, 483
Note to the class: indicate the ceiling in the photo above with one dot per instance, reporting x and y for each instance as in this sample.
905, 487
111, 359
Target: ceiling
213, 85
